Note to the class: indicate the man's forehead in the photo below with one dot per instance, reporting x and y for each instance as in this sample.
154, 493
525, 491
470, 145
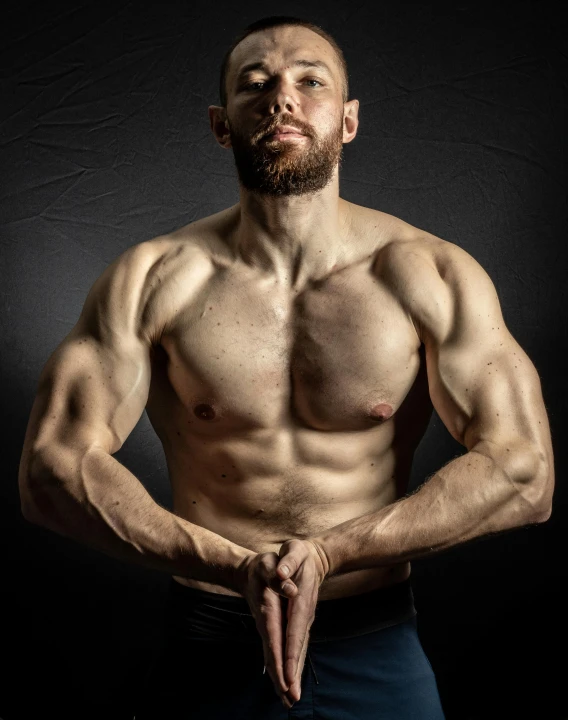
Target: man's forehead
286, 45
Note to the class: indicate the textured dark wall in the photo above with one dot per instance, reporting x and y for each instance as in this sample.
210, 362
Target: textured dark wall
105, 142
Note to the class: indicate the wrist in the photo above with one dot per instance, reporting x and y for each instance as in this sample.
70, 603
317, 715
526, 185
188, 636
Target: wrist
319, 545
238, 577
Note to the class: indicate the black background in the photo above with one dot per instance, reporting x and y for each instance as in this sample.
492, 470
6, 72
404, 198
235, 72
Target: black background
105, 142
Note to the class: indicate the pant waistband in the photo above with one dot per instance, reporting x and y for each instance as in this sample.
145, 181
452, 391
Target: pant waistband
193, 613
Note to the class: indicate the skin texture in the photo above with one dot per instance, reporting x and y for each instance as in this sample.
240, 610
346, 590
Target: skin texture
289, 351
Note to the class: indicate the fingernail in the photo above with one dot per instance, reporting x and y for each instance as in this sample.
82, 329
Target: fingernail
285, 570
287, 586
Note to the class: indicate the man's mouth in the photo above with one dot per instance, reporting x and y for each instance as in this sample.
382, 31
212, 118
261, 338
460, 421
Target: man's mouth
284, 132
286, 136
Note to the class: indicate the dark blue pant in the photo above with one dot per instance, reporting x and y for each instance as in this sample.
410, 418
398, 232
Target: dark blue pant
382, 674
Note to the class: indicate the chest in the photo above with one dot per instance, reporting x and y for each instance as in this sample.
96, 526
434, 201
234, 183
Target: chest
341, 355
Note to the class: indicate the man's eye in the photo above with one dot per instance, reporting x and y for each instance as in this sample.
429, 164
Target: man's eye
251, 86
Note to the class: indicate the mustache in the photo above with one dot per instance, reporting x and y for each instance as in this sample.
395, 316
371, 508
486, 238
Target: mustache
277, 122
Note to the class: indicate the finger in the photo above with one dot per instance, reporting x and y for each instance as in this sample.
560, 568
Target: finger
295, 689
271, 633
267, 610
284, 588
300, 618
292, 554
289, 589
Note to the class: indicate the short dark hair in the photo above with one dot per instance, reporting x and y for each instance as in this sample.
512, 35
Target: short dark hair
275, 21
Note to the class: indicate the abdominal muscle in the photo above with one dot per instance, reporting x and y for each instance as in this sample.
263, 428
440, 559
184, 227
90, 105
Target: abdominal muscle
262, 513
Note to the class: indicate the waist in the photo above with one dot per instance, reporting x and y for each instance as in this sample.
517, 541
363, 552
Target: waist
193, 613
352, 583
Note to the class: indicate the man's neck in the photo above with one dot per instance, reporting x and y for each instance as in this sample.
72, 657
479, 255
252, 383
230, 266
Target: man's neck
295, 237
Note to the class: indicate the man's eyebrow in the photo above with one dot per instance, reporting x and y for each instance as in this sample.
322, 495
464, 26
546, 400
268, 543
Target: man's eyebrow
299, 63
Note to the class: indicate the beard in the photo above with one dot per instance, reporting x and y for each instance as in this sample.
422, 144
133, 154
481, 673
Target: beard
277, 168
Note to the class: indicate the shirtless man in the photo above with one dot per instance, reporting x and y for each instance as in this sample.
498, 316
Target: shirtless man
288, 351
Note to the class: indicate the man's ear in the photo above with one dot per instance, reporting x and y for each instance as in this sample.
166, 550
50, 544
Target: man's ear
350, 120
220, 125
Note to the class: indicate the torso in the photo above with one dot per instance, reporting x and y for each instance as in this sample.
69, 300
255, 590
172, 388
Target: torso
284, 413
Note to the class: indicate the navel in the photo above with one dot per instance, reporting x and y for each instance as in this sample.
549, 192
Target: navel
381, 412
204, 412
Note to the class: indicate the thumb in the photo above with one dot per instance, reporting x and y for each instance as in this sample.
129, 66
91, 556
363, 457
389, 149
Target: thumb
292, 554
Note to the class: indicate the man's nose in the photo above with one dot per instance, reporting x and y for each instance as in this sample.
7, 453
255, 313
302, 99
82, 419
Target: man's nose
282, 99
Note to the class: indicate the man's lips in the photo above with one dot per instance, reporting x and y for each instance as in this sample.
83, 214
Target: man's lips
285, 135
284, 132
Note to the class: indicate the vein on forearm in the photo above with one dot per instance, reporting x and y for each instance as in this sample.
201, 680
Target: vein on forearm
469, 497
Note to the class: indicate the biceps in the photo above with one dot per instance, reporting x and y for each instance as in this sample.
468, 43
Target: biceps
486, 392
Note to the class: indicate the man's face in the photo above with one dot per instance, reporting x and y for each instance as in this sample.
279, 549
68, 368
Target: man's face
282, 92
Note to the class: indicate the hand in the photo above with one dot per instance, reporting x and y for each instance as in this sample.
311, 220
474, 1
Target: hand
307, 566
262, 587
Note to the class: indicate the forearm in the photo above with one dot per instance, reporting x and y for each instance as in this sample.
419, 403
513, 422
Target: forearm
470, 497
103, 505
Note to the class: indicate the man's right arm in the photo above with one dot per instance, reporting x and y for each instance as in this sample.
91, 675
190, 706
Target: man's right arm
91, 394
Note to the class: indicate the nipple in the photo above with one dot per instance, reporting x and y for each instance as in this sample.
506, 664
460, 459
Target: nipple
381, 412
204, 412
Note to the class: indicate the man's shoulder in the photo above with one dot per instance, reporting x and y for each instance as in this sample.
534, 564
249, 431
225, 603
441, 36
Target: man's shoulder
198, 242
168, 270
396, 242
428, 276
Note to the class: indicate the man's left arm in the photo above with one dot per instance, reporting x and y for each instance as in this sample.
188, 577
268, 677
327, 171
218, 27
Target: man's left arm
487, 393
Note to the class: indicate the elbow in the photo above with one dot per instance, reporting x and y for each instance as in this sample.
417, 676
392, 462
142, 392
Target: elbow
25, 489
31, 504
30, 489
543, 507
29, 508
36, 484
536, 487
